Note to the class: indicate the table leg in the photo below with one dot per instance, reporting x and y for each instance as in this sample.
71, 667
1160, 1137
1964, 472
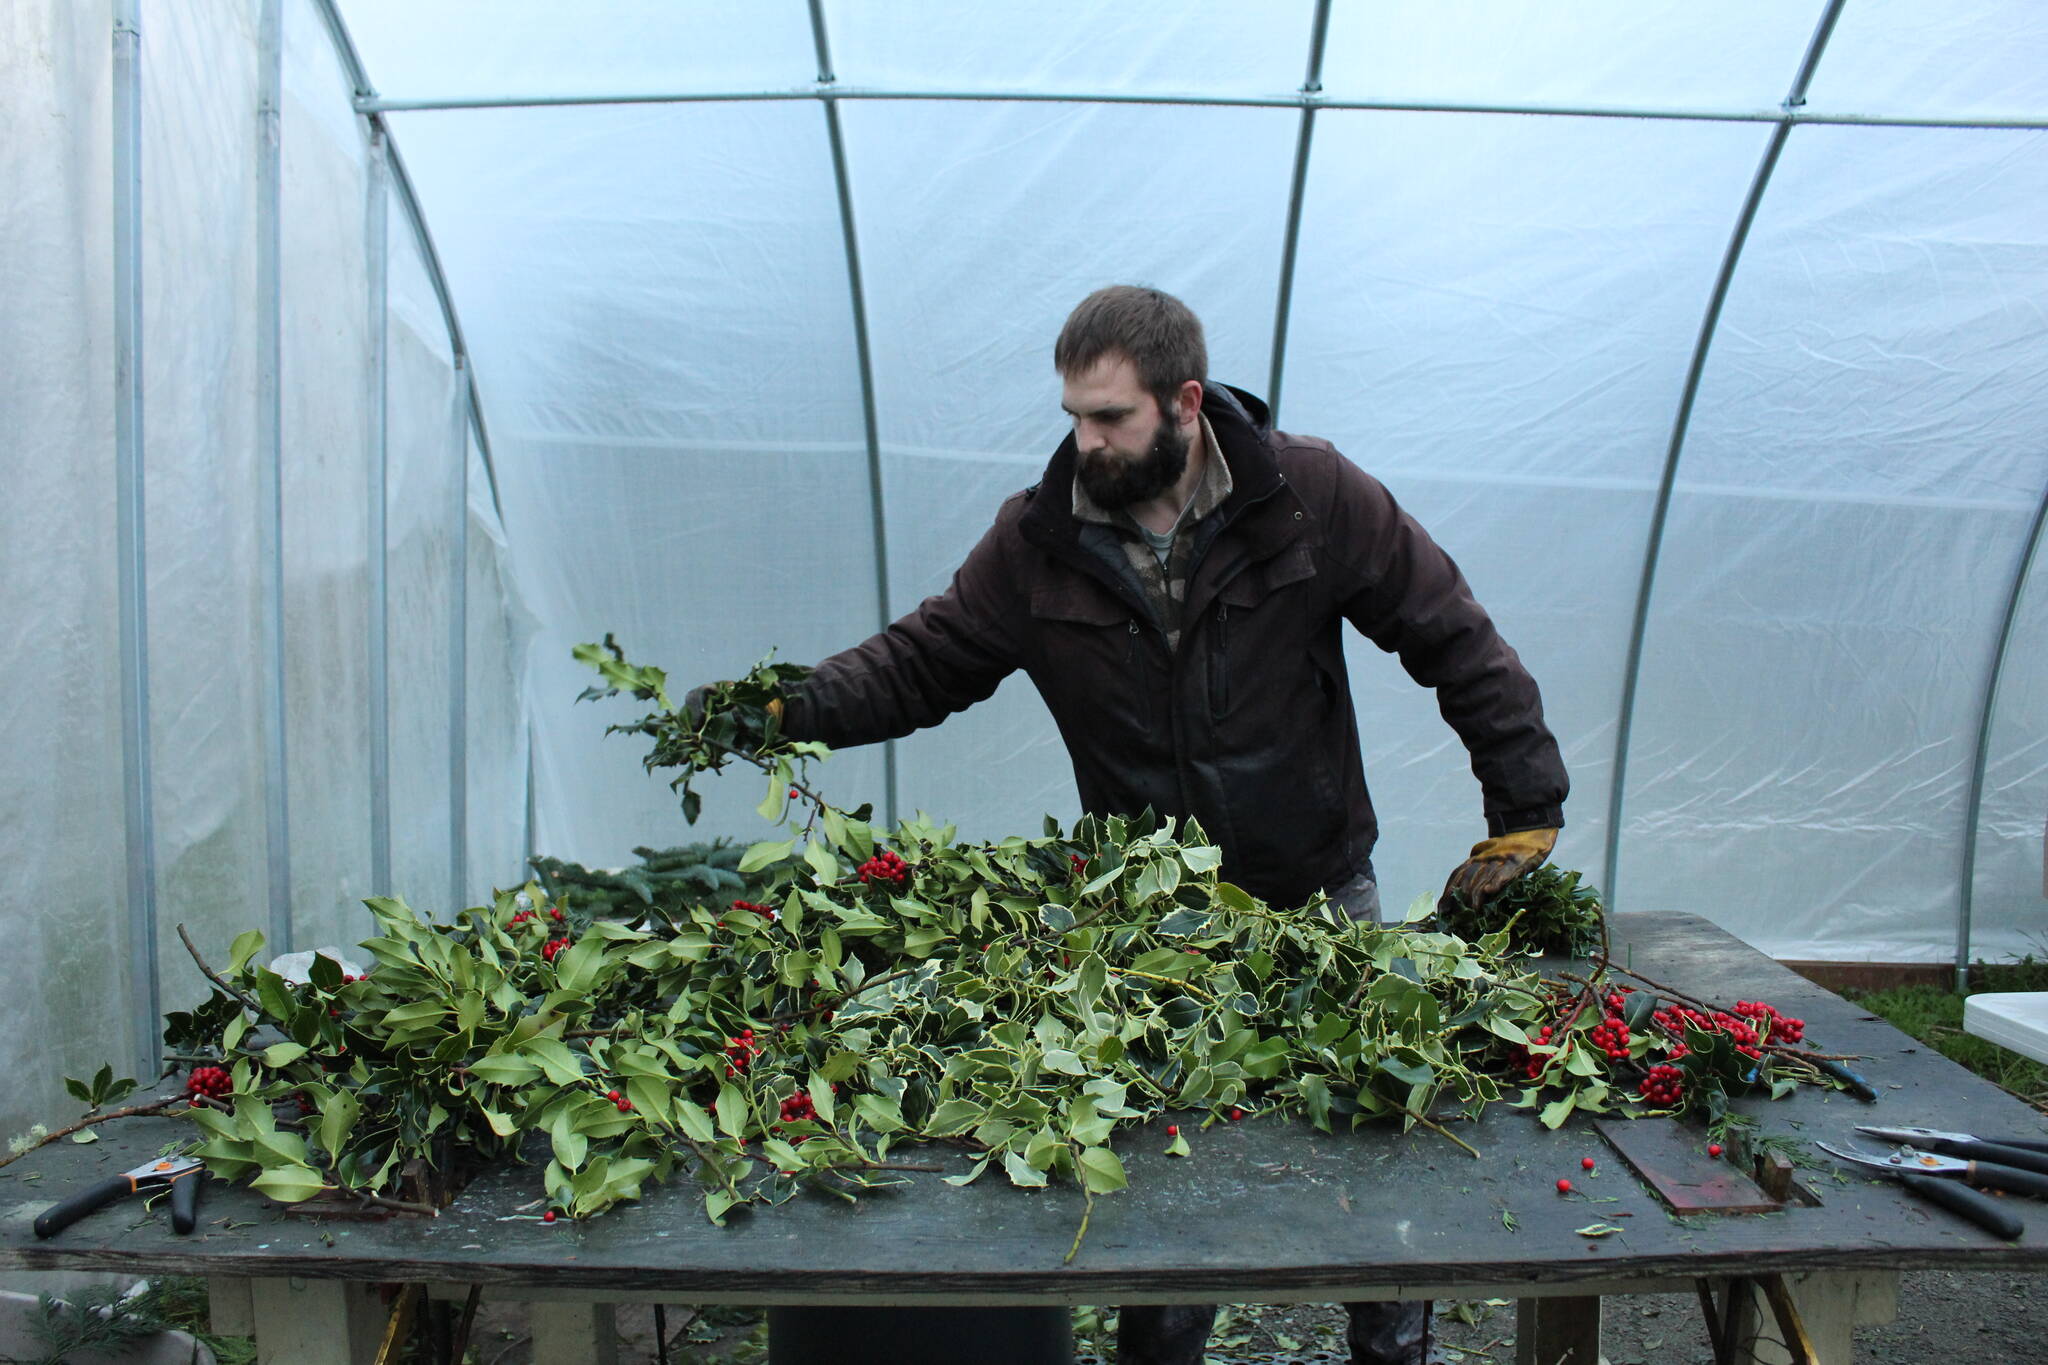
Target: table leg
230, 1310
575, 1333
1830, 1305
1561, 1331
316, 1322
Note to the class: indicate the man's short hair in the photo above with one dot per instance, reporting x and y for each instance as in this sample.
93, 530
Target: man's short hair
1162, 338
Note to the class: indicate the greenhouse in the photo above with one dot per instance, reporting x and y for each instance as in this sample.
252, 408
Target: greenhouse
363, 358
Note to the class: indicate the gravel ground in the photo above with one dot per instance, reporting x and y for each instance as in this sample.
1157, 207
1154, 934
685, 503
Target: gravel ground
1959, 1319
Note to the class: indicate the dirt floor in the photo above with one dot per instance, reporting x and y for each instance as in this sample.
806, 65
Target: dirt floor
1974, 1319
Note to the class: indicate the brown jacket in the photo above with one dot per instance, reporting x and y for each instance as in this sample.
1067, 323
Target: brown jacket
1248, 726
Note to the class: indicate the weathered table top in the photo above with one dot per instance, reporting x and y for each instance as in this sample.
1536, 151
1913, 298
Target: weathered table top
1265, 1209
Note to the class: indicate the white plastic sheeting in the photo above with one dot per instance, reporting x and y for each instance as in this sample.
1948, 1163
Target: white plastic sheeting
63, 902
69, 994
1495, 312
1864, 463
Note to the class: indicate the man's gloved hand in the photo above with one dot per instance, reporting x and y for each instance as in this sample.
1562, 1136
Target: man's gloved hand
746, 735
1493, 863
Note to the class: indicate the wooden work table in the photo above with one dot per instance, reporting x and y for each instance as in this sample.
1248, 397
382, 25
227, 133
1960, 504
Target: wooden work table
1263, 1211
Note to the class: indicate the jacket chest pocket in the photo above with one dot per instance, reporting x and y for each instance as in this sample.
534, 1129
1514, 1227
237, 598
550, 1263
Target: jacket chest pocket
1253, 624
1094, 656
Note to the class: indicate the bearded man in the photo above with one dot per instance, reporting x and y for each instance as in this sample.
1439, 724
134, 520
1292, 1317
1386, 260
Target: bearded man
1176, 585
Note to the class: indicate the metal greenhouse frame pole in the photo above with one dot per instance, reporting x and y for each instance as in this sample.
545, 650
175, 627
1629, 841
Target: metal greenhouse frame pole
1300, 100
132, 574
1983, 756
864, 355
365, 99
270, 468
415, 217
470, 406
458, 655
1632, 670
1311, 85
377, 254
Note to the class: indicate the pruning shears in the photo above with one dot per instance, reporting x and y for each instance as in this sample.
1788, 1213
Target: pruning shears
1946, 1180
182, 1175
2020, 1153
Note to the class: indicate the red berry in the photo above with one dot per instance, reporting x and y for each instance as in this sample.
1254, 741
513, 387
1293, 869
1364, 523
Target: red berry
548, 1217
1713, 1149
794, 793
1236, 1114
625, 1106
1586, 1163
1564, 1186
1173, 1130
612, 1095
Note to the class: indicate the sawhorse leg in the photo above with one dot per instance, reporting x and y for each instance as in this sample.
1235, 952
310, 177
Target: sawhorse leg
575, 1333
1813, 1318
316, 1322
1560, 1331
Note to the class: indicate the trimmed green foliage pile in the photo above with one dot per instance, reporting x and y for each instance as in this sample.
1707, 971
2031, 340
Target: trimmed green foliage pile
869, 988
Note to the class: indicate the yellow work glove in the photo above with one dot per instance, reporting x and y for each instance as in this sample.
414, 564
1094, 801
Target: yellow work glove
1493, 863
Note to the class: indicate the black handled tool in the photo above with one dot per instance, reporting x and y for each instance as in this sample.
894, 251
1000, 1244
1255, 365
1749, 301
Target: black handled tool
1938, 1179
1985, 1212
2016, 1153
182, 1174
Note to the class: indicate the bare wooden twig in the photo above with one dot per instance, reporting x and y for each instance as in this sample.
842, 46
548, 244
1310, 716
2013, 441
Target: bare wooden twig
90, 1120
1439, 1130
214, 977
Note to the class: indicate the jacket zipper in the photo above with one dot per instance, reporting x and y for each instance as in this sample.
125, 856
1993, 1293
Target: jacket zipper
1219, 664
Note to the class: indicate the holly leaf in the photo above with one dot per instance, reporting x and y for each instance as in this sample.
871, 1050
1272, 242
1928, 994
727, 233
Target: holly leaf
764, 854
1101, 1171
247, 944
1021, 1174
289, 1184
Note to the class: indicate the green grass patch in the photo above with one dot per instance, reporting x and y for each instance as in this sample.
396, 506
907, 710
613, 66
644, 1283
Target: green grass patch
1934, 1017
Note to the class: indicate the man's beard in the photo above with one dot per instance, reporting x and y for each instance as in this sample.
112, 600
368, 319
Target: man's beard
1115, 482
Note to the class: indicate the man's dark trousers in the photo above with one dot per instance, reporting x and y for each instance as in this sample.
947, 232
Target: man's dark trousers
1378, 1334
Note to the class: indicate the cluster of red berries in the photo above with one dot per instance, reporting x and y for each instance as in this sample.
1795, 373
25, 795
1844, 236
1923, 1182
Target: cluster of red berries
765, 911
740, 1051
798, 1108
554, 913
885, 866
1611, 1036
1678, 1017
1664, 1087
625, 1105
208, 1080
1532, 1065
553, 948
1782, 1028
1077, 860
